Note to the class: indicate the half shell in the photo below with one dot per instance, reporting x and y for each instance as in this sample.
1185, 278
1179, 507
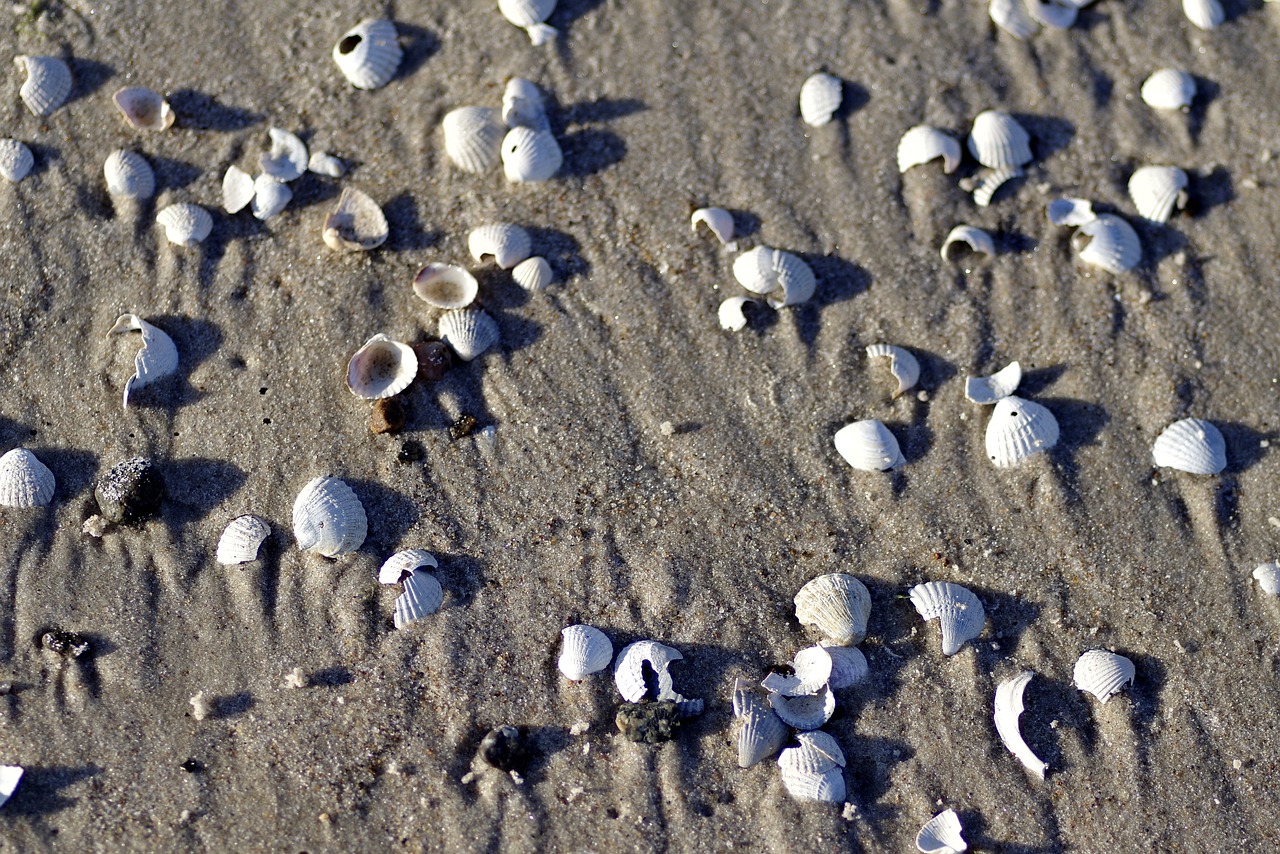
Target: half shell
1191, 445
381, 368
529, 15
997, 141
185, 224
763, 270
473, 138
24, 480
941, 835
628, 670
868, 446
1205, 14
469, 331
270, 196
1169, 89
533, 274
129, 175
422, 597
761, 733
838, 605
816, 753
1008, 708
1108, 242
237, 189
144, 109
583, 650
1268, 577
508, 244
523, 105
812, 669
1156, 189
820, 97
157, 359
1054, 15
987, 183
369, 53
1103, 674
1012, 17
400, 565
964, 240
805, 712
9, 777
904, 366
717, 220
1001, 384
1070, 212
287, 159
356, 224
530, 155
731, 315
16, 160
848, 666
241, 539
47, 85
828, 787
956, 608
328, 518
1019, 429
923, 143
445, 286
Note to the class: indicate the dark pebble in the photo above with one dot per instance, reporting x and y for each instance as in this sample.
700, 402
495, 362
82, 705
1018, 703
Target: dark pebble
130, 491
648, 723
462, 427
68, 644
192, 766
504, 749
411, 452
434, 360
387, 416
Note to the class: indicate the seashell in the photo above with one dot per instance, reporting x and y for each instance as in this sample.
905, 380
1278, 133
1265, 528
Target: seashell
762, 733
1205, 14
957, 609
583, 650
820, 97
241, 539
469, 331
1266, 574
237, 189
817, 753
812, 669
328, 518
997, 141
1070, 212
903, 365
628, 670
731, 315
533, 274
144, 109
24, 480
324, 163
848, 666
445, 286
508, 244
1051, 14
984, 186
1156, 189
1108, 242
923, 143
1103, 674
422, 597
1191, 445
523, 106
16, 160
828, 787
129, 175
356, 224
717, 220
962, 236
763, 271
185, 224
530, 155
1169, 89
1012, 17
1019, 429
806, 712
157, 359
868, 446
381, 368
9, 777
47, 85
473, 138
838, 605
368, 54
1008, 709
400, 565
287, 159
941, 835
270, 196
529, 15
1001, 384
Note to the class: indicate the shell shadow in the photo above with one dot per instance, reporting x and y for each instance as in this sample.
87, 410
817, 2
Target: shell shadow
1244, 445
868, 774
1206, 192
1158, 242
838, 280
195, 486
199, 111
1207, 92
1036, 380
39, 793
405, 225
853, 98
43, 155
1079, 424
73, 470
562, 251
390, 514
1049, 134
462, 385
566, 12
330, 677
600, 110
94, 200
172, 174
1144, 699
312, 189
462, 577
230, 705
590, 151
14, 433
1007, 618
88, 77
226, 229
418, 45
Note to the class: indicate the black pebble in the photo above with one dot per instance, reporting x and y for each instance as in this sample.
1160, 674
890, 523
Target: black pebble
192, 766
68, 644
462, 426
411, 452
648, 723
130, 492
504, 749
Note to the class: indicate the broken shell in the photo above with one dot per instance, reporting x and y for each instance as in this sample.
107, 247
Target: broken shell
381, 368
812, 668
1008, 708
328, 518
828, 787
523, 106
583, 650
469, 331
157, 359
923, 143
129, 175
838, 605
400, 565
287, 159
986, 184
1070, 212
270, 196
1012, 17
805, 712
820, 97
508, 244
237, 189
368, 54
1205, 14
1169, 89
357, 224
143, 108
848, 666
1103, 674
957, 609
1019, 429
1051, 14
185, 224
962, 236
763, 270
422, 597
1191, 445
731, 315
24, 480
529, 15
16, 160
9, 777
717, 220
47, 85
1108, 242
1268, 577
941, 835
904, 366
1001, 384
533, 274
324, 163
241, 539
761, 733
628, 670
445, 286
530, 155
473, 138
1156, 189
868, 446
997, 141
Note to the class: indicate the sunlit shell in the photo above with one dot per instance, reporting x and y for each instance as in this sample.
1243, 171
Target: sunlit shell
356, 224
820, 97
1001, 384
868, 446
717, 220
1108, 242
508, 244
731, 315
533, 274
523, 105
828, 787
270, 196
24, 480
805, 712
237, 189
1191, 445
1205, 14
445, 286
381, 368
986, 183
324, 163
1019, 429
328, 518
530, 155
583, 650
129, 175
957, 610
241, 540
16, 160
47, 85
529, 15
965, 240
473, 138
369, 53
1103, 674
1169, 89
287, 159
1156, 189
761, 733
848, 666
144, 109
997, 141
1070, 212
1008, 708
904, 366
1268, 577
628, 670
157, 359
838, 605
400, 565
1012, 17
422, 597
811, 670
1048, 13
941, 835
469, 331
185, 224
816, 753
9, 777
923, 143
763, 270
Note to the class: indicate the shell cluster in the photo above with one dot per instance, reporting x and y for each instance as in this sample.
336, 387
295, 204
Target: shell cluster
421, 593
475, 139
996, 140
268, 194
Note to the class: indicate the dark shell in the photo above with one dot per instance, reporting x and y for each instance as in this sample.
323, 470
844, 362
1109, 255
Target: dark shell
434, 359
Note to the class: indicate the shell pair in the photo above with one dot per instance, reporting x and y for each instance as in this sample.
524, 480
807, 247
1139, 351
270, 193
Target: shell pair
475, 138
328, 518
958, 611
382, 367
369, 53
813, 771
1103, 240
766, 271
1023, 18
269, 193
422, 594
584, 650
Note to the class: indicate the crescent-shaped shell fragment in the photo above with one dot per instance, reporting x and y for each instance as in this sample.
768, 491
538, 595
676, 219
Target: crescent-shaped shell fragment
811, 668
1008, 708
731, 314
530, 155
763, 270
941, 835
805, 712
422, 597
1108, 242
992, 389
820, 98
1070, 212
838, 605
445, 286
868, 446
356, 224
129, 175
717, 220
328, 518
473, 138
1191, 445
185, 224
369, 53
381, 368
1156, 190
24, 480
997, 141
628, 670
241, 540
533, 274
16, 160
761, 733
1103, 674
966, 240
400, 565
508, 244
324, 163
157, 359
956, 608
583, 650
469, 331
1169, 89
144, 109
985, 185
904, 367
1019, 429
47, 85
923, 143
287, 159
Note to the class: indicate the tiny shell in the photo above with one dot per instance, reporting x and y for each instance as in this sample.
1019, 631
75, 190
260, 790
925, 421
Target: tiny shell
812, 668
508, 244
237, 189
717, 220
529, 15
445, 286
9, 777
1108, 242
185, 224
328, 518
324, 163
1103, 674
287, 159
838, 605
473, 138
1054, 15
1191, 445
422, 597
1008, 708
24, 480
129, 175
964, 240
628, 670
398, 567
997, 141
369, 53
957, 609
987, 183
761, 733
1012, 17
848, 666
1001, 384
469, 331
923, 143
381, 368
356, 224
533, 274
144, 109
1019, 429
731, 315
820, 97
530, 155
270, 196
16, 160
1169, 89
868, 446
805, 712
1268, 577
1155, 190
1205, 14
157, 359
941, 835
523, 105
904, 366
763, 271
47, 85
583, 650
241, 539
1070, 212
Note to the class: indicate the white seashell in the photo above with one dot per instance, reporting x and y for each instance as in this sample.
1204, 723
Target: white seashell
1108, 242
530, 155
469, 331
1103, 674
324, 163
287, 159
848, 666
761, 733
1191, 445
997, 141
129, 175
904, 366
356, 224
805, 712
1001, 384
270, 196
1205, 14
1012, 17
24, 480
941, 835
583, 650
381, 368
1156, 189
368, 54
923, 143
1268, 577
508, 244
185, 224
241, 539
838, 605
817, 753
1169, 89
731, 315
1070, 212
16, 160
628, 670
763, 271
400, 565
820, 97
9, 777
47, 85
868, 446
533, 274
473, 138
144, 109
157, 359
422, 597
523, 105
957, 609
529, 15
445, 286
962, 236
717, 220
828, 787
812, 669
1019, 429
984, 185
237, 189
328, 518
1008, 708
1051, 14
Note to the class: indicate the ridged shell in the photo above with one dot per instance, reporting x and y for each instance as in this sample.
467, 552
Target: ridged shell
1012, 17
1112, 244
356, 224
805, 712
838, 605
529, 15
1051, 14
987, 183
287, 159
1019, 429
717, 220
1103, 674
1191, 445
10, 775
47, 85
997, 141
812, 670
324, 163
473, 138
904, 366
1156, 189
820, 97
1001, 384
144, 109
826, 788
868, 446
369, 53
400, 565
941, 835
328, 518
583, 650
16, 160
468, 331
237, 189
1008, 708
923, 143
1169, 89
508, 244
817, 753
956, 608
763, 270
530, 155
24, 480
1205, 14
270, 196
1268, 577
157, 359
381, 368
848, 666
628, 670
533, 274
1070, 212
241, 540
129, 175
185, 224
422, 597
445, 286
731, 315
761, 733
965, 240
523, 105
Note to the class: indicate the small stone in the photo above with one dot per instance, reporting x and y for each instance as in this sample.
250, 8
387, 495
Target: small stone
201, 708
648, 723
325, 819
579, 727
434, 360
410, 452
849, 813
504, 749
192, 766
667, 428
130, 491
462, 426
467, 778
387, 416
295, 678
95, 526
6, 688
66, 644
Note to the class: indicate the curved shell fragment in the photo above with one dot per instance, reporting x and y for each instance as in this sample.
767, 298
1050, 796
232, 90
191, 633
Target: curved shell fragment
923, 143
805, 712
731, 315
324, 163
956, 608
508, 244
820, 98
328, 518
469, 331
1267, 575
523, 105
1012, 17
816, 752
270, 197
287, 159
904, 366
1169, 89
941, 835
381, 368
400, 565
1191, 445
185, 224
1070, 212
237, 189
356, 224
1103, 674
16, 160
533, 274
24, 480
1008, 708
985, 185
717, 220
445, 286
838, 605
965, 240
369, 53
530, 16
992, 389
761, 733
1156, 190
1019, 429
997, 141
144, 109
628, 670
10, 775
47, 85
530, 155
1205, 14
763, 270
828, 787
473, 138
868, 446
129, 175
422, 597
1108, 242
157, 359
241, 540
584, 650
1052, 14
812, 669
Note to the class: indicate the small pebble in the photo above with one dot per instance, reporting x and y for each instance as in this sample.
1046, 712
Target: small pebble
295, 678
434, 360
192, 766
462, 426
66, 644
648, 723
579, 727
504, 749
201, 708
130, 491
411, 452
667, 428
387, 416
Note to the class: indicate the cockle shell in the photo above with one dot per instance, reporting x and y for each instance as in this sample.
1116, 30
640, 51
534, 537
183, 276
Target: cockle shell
1205, 14
237, 189
157, 359
381, 368
473, 138
469, 331
400, 565
761, 733
324, 163
923, 143
270, 196
144, 109
1008, 708
9, 777
1191, 445
628, 670
129, 175
941, 835
445, 286
24, 480
529, 15
964, 240
1070, 212
807, 711
812, 771
1001, 384
985, 185
731, 315
848, 666
47, 85
16, 160
523, 105
763, 270
1108, 242
530, 155
1169, 89
583, 650
957, 609
1012, 17
1156, 189
422, 597
185, 224
904, 366
1103, 674
369, 53
356, 224
997, 141
812, 670
508, 244
1268, 577
1055, 15
241, 540
838, 605
328, 518
868, 446
287, 159
1019, 429
820, 97
533, 274
717, 220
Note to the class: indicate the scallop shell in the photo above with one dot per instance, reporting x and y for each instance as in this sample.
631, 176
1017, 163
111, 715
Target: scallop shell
1001, 384
16, 160
1019, 429
523, 105
731, 315
533, 274
941, 835
400, 565
583, 650
241, 539
717, 220
473, 138
806, 712
24, 480
761, 733
1111, 244
1055, 16
144, 109
1191, 445
838, 605
763, 271
986, 184
1268, 577
868, 446
185, 224
129, 175
422, 597
508, 244
1103, 674
369, 53
820, 97
324, 163
9, 777
529, 15
1156, 189
270, 196
381, 368
1205, 14
903, 365
812, 670
964, 240
1012, 17
157, 359
237, 189
356, 224
1008, 708
848, 666
287, 159
469, 331
47, 85
530, 155
997, 141
445, 286
828, 787
1169, 89
957, 609
1070, 212
328, 518
923, 143
628, 670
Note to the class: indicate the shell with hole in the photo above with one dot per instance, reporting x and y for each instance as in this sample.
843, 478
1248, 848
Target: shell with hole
473, 138
941, 835
765, 271
356, 223
902, 365
1191, 445
47, 85
422, 597
1205, 14
129, 175
923, 143
287, 159
270, 197
997, 141
988, 390
868, 446
1108, 242
761, 733
16, 160
24, 480
1169, 89
185, 224
530, 155
241, 540
530, 16
157, 359
328, 518
468, 331
508, 244
1008, 708
838, 605
1103, 674
717, 220
382, 367
958, 611
1268, 577
811, 669
369, 53
966, 240
533, 274
144, 109
820, 98
1019, 429
1156, 190
628, 670
445, 286
583, 650
731, 315
400, 565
